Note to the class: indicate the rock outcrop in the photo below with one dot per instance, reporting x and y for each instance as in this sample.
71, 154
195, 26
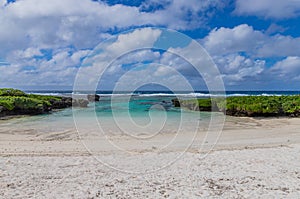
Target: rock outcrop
93, 98
80, 103
15, 102
175, 102
65, 102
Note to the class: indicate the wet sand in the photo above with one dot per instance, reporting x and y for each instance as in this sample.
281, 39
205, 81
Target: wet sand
253, 158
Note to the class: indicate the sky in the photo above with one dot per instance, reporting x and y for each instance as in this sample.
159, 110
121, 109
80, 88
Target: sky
48, 45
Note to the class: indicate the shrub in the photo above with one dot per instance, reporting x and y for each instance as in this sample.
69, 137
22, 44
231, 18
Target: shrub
11, 92
253, 105
23, 103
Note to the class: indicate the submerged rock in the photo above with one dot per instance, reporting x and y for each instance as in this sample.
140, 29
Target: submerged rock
80, 103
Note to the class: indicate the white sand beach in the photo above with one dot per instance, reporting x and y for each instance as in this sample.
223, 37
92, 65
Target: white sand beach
254, 158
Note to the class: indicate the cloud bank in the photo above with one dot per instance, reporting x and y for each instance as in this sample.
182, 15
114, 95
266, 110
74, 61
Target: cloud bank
45, 42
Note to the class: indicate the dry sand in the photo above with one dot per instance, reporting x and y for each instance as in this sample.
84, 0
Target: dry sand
253, 158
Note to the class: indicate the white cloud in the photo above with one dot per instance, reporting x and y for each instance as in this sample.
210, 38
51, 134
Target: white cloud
244, 38
236, 68
78, 55
280, 45
67, 27
138, 39
198, 63
153, 74
26, 54
274, 28
288, 68
240, 54
2, 2
237, 39
26, 71
140, 56
83, 23
182, 14
30, 26
113, 52
278, 9
163, 70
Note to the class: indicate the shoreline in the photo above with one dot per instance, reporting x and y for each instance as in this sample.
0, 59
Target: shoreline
238, 133
253, 158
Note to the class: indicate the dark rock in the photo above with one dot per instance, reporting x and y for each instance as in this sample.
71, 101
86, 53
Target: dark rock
65, 102
3, 111
176, 102
93, 98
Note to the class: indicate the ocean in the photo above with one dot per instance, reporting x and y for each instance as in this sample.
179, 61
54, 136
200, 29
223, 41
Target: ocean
170, 93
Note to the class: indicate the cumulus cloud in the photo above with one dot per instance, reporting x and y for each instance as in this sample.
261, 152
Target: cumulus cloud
60, 70
278, 9
31, 27
231, 40
243, 38
281, 46
27, 53
106, 60
240, 53
274, 28
196, 63
184, 60
44, 42
182, 14
287, 68
138, 39
236, 68
161, 75
84, 23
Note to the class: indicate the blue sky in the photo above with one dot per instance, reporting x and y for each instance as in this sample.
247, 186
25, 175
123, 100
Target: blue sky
255, 44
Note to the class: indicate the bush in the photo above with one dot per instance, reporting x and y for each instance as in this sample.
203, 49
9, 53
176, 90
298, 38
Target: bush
22, 103
252, 105
16, 102
11, 92
7, 103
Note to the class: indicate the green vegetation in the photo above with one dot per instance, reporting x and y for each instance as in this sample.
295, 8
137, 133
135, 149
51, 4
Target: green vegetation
263, 105
11, 92
43, 97
13, 101
197, 104
22, 103
250, 105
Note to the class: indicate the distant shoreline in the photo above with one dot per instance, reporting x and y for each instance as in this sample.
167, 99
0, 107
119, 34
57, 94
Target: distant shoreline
167, 93
14, 102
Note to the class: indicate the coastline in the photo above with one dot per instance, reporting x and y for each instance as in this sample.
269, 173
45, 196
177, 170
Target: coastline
238, 133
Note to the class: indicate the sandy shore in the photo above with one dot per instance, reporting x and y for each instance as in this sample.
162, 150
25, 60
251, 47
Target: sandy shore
253, 158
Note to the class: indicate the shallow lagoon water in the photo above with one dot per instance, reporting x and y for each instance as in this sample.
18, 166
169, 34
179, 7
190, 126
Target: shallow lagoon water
141, 114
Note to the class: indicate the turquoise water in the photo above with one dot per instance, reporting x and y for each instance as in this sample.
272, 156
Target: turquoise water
118, 114
148, 109
115, 115
136, 114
